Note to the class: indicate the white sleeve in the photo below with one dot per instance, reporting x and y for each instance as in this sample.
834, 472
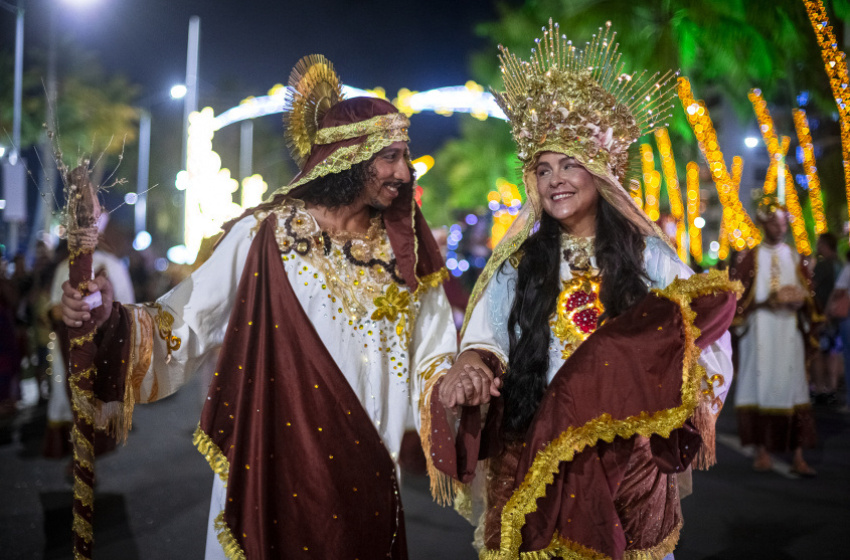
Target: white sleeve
662, 267
434, 344
488, 324
184, 329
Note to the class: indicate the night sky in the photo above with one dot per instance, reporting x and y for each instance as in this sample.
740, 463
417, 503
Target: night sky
248, 46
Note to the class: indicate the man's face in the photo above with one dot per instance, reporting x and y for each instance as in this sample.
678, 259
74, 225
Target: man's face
775, 227
390, 172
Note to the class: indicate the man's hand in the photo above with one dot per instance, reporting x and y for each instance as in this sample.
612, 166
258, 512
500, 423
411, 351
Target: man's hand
469, 382
75, 310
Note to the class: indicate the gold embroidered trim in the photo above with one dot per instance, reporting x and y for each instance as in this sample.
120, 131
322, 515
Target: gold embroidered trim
164, 321
82, 528
573, 440
443, 487
440, 360
433, 280
395, 305
85, 373
659, 551
346, 157
80, 340
381, 124
208, 448
227, 540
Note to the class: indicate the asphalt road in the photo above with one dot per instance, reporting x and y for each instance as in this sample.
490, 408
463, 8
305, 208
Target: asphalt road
152, 498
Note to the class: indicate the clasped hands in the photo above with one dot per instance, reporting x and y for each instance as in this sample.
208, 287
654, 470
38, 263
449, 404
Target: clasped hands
469, 382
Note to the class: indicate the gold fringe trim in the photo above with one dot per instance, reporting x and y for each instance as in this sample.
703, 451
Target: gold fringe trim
704, 420
80, 340
659, 551
573, 440
226, 539
557, 548
83, 493
443, 487
217, 460
82, 528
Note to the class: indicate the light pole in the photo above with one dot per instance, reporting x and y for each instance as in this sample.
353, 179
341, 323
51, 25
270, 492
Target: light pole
14, 173
142, 176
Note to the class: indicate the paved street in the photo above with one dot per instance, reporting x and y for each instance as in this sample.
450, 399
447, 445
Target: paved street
153, 496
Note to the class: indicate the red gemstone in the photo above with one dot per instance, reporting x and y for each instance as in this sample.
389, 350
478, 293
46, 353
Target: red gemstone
586, 320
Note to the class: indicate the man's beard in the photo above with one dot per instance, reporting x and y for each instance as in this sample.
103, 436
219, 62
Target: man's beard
399, 185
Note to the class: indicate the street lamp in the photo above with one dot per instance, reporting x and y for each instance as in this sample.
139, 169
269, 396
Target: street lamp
751, 141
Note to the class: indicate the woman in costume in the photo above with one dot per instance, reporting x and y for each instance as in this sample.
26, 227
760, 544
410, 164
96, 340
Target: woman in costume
599, 358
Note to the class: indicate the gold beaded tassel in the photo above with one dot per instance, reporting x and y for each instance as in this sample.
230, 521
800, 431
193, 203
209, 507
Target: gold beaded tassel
700, 122
777, 150
801, 123
836, 69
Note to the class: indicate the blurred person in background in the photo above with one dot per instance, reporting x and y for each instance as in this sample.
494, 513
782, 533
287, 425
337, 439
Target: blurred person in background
775, 320
839, 309
826, 362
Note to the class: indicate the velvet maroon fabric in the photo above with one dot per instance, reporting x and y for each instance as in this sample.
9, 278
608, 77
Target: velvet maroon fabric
631, 364
309, 474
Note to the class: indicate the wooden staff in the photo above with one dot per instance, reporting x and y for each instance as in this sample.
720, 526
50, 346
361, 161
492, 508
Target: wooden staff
81, 215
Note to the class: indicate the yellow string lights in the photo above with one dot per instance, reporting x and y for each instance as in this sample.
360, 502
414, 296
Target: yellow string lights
507, 195
801, 123
777, 153
836, 69
746, 234
694, 233
651, 181
727, 224
674, 192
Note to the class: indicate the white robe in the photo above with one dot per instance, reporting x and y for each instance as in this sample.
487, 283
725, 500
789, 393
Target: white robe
772, 368
382, 368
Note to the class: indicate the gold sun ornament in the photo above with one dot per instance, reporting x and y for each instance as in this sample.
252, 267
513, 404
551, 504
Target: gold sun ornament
314, 88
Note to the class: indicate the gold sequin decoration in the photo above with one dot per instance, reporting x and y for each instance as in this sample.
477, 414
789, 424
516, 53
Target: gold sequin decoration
381, 124
80, 340
394, 306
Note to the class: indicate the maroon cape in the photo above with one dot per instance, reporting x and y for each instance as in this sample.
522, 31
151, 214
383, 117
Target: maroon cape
636, 376
307, 474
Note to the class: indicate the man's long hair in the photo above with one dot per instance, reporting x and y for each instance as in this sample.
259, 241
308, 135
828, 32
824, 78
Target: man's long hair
341, 189
619, 249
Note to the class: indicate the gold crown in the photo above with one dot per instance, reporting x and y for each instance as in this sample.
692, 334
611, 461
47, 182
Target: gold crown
580, 102
768, 204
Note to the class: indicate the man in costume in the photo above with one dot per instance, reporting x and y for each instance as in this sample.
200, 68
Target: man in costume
322, 315
774, 320
588, 426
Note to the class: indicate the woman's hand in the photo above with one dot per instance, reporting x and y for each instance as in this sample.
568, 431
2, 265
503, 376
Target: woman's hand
75, 310
469, 382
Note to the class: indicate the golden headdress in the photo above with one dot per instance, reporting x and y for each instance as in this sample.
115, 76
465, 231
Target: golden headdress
768, 205
325, 132
581, 103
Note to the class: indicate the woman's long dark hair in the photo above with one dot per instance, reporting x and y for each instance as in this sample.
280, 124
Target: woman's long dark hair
619, 249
